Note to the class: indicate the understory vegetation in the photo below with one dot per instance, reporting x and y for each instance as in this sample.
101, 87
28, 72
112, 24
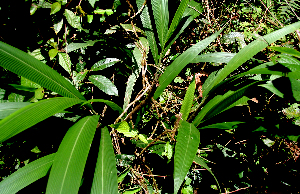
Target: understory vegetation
149, 96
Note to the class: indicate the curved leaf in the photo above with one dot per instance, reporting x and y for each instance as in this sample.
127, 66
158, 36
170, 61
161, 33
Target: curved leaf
180, 62
68, 165
104, 84
161, 18
27, 66
249, 51
286, 50
188, 101
26, 175
111, 104
105, 177
32, 114
188, 140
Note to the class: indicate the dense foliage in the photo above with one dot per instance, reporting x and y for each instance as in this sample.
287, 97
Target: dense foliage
111, 97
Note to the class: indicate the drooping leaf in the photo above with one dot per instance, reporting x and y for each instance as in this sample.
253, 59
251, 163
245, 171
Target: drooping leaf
201, 162
188, 101
186, 147
65, 61
145, 18
68, 165
105, 63
8, 108
249, 51
217, 57
72, 19
74, 46
92, 2
161, 18
26, 175
55, 7
180, 62
286, 50
111, 104
104, 84
105, 177
27, 66
32, 114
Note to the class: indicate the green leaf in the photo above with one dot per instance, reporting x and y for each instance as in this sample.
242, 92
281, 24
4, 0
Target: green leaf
72, 19
74, 46
132, 191
105, 177
201, 162
26, 175
90, 18
58, 26
143, 138
27, 66
295, 84
92, 2
269, 85
111, 104
105, 63
188, 140
177, 17
65, 61
124, 128
286, 50
68, 165
249, 51
8, 108
53, 53
224, 125
180, 62
217, 57
188, 101
32, 114
104, 84
161, 18
145, 18
55, 7
122, 175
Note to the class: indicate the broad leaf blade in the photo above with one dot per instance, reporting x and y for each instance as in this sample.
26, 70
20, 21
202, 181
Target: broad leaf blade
249, 51
68, 166
65, 61
188, 140
161, 17
72, 19
111, 104
188, 101
104, 84
103, 64
26, 175
74, 46
105, 177
145, 18
27, 66
180, 62
32, 114
92, 2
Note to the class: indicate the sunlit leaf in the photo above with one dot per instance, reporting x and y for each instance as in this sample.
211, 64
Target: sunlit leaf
72, 19
131, 191
217, 57
65, 61
74, 46
92, 2
111, 104
188, 101
105, 178
105, 63
53, 53
8, 108
286, 50
58, 26
186, 147
55, 7
124, 128
68, 165
104, 84
26, 175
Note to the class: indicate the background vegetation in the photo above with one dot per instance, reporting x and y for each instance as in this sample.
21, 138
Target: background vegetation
112, 96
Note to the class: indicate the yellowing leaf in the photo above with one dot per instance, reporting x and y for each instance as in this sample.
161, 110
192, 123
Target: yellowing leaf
55, 7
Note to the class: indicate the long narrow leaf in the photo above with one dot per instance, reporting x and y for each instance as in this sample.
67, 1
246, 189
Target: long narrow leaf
161, 17
26, 175
217, 57
188, 101
32, 114
111, 104
105, 178
27, 66
188, 140
249, 51
145, 18
67, 170
180, 62
8, 108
